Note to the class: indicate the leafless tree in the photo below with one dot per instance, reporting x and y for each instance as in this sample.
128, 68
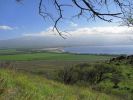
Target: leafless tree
90, 9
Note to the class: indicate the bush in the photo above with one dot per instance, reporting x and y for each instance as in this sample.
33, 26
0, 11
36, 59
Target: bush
90, 73
117, 77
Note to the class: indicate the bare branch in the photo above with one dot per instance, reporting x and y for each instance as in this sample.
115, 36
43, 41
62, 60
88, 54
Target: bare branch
93, 8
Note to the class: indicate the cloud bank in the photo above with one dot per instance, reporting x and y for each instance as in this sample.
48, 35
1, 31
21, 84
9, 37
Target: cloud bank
111, 35
86, 31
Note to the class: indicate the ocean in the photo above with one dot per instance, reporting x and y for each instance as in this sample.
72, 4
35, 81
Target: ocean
116, 49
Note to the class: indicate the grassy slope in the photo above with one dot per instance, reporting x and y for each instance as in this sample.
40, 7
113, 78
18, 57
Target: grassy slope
53, 56
20, 86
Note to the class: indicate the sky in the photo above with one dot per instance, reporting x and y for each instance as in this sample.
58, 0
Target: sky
22, 20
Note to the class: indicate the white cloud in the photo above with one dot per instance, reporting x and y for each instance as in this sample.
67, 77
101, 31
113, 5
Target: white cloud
87, 31
111, 30
4, 27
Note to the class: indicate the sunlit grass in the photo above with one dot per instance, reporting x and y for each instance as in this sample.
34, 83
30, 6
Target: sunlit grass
23, 86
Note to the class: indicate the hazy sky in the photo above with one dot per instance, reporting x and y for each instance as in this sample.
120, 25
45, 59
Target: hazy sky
22, 19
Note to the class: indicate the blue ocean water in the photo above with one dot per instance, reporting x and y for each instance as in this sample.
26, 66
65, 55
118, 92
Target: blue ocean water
117, 49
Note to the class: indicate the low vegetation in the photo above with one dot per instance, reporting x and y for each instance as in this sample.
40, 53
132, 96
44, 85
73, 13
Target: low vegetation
22, 86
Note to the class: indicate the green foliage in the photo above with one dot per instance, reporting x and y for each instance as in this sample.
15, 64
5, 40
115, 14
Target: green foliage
117, 77
108, 78
24, 86
91, 73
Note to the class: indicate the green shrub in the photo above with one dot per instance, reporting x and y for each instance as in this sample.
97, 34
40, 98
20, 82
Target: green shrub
91, 73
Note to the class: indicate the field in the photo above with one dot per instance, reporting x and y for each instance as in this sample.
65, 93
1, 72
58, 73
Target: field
32, 55
45, 63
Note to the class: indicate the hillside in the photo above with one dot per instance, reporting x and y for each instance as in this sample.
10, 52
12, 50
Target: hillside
123, 59
22, 86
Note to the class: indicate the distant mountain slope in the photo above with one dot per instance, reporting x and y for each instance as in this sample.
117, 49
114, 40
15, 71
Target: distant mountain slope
40, 42
31, 42
57, 41
21, 86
